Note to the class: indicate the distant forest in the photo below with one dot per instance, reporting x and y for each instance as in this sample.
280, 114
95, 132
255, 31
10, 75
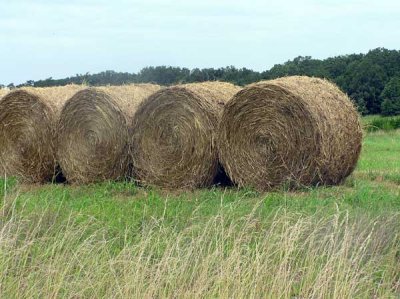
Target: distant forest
372, 80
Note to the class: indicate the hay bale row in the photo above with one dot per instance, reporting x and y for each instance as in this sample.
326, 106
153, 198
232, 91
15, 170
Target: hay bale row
293, 131
84, 130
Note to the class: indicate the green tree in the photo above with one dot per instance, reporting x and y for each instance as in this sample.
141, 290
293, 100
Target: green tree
391, 97
364, 81
362, 76
361, 106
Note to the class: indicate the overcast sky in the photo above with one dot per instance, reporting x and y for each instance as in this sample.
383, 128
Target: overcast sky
57, 38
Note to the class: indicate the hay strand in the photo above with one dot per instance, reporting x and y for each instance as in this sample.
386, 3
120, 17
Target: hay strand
93, 132
292, 131
173, 135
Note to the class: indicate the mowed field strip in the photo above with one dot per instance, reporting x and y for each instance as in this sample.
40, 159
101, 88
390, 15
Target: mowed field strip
117, 240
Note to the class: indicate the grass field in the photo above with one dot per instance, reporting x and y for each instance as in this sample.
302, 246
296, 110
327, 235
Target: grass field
374, 123
117, 240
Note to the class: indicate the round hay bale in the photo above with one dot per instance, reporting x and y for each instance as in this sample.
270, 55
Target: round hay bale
93, 132
173, 135
27, 132
293, 131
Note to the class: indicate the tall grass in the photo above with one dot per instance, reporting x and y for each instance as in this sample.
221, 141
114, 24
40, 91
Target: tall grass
285, 255
375, 123
115, 240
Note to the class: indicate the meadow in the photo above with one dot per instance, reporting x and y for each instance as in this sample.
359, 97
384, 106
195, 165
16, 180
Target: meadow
116, 240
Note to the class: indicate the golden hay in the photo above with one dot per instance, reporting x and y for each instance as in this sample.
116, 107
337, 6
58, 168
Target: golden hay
93, 132
27, 131
291, 131
173, 135
3, 92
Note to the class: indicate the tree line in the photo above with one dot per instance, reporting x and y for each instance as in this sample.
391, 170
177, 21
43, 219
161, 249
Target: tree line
372, 80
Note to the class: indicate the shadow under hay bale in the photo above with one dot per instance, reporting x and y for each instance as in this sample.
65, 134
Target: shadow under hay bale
173, 135
221, 178
292, 131
59, 177
93, 132
27, 132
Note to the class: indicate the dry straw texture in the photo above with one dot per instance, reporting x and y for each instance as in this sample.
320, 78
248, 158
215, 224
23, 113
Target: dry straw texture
27, 131
173, 144
93, 132
292, 131
3, 92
